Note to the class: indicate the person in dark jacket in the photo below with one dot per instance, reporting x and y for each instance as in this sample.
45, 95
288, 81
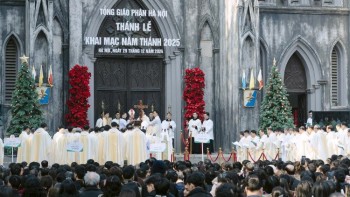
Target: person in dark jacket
91, 179
195, 186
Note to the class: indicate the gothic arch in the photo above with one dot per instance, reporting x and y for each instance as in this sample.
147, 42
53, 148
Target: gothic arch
43, 30
245, 45
313, 69
18, 43
342, 68
339, 45
17, 40
207, 19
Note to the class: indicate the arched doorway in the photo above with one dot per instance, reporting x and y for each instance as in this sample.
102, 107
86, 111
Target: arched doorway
122, 79
296, 84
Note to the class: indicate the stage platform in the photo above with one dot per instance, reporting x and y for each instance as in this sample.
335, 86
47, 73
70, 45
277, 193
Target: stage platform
195, 158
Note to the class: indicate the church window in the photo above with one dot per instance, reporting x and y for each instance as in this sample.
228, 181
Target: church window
334, 77
11, 58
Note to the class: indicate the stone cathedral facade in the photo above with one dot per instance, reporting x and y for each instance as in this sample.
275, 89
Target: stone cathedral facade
308, 38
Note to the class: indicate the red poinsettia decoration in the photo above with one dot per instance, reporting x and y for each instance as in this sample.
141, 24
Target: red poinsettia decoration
79, 93
194, 93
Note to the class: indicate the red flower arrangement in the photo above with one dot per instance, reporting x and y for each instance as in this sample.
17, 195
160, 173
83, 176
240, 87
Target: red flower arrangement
194, 93
79, 92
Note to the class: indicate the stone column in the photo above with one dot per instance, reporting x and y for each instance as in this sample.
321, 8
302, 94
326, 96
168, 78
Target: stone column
228, 86
75, 29
191, 33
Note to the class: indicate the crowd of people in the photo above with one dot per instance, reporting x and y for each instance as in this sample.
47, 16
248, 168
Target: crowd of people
314, 142
306, 178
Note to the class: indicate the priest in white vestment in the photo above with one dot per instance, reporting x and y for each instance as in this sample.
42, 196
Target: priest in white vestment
115, 145
289, 151
85, 139
72, 136
106, 119
102, 139
23, 152
194, 126
292, 148
272, 145
282, 142
208, 127
302, 144
59, 147
341, 136
347, 144
156, 122
319, 143
41, 144
94, 145
136, 144
332, 141
144, 120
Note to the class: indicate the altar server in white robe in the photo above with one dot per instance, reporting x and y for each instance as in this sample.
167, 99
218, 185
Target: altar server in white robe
169, 126
115, 145
332, 141
207, 127
245, 144
136, 144
59, 146
261, 147
99, 122
117, 118
253, 149
41, 144
272, 145
23, 152
195, 126
239, 148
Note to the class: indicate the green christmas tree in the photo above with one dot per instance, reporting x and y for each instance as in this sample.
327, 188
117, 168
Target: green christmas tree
25, 104
275, 110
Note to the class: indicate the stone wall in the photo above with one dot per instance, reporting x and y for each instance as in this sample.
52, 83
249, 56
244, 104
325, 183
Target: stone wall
313, 35
12, 20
